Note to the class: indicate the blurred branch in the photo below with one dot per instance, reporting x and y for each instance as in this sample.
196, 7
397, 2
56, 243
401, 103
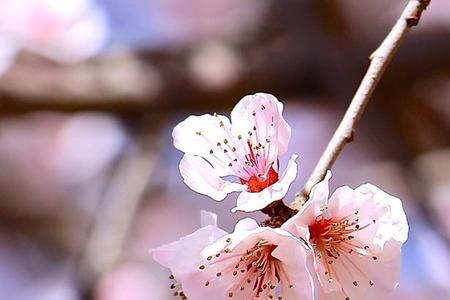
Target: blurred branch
379, 60
102, 81
106, 239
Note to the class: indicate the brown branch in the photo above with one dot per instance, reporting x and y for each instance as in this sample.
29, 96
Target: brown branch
379, 61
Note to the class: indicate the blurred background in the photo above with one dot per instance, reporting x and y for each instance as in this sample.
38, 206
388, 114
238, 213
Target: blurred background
91, 89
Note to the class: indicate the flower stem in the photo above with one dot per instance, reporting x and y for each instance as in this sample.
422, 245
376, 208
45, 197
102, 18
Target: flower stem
278, 213
379, 60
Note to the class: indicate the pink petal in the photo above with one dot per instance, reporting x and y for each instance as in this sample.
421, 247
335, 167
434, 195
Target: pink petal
384, 214
341, 203
378, 272
296, 270
249, 202
386, 232
393, 224
181, 256
294, 266
382, 230
374, 280
322, 280
242, 230
246, 233
264, 112
200, 176
204, 136
298, 224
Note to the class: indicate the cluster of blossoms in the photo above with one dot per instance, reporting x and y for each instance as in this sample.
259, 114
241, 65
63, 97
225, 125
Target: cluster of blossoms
345, 246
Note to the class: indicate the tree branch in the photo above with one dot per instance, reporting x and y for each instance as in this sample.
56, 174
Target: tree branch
379, 60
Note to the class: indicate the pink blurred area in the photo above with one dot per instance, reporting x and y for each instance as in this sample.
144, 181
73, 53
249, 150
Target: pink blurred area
90, 91
65, 31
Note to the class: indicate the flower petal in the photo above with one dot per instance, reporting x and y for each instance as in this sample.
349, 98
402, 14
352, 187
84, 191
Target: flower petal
364, 279
180, 256
200, 176
249, 202
208, 218
368, 263
207, 136
202, 273
262, 112
383, 214
294, 268
392, 225
321, 190
296, 259
298, 224
385, 229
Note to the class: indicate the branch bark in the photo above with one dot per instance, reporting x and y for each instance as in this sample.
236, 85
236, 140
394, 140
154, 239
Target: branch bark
379, 60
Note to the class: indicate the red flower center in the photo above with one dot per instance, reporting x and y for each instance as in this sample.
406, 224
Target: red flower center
328, 235
257, 183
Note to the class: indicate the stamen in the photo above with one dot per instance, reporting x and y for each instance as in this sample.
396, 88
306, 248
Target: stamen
177, 289
256, 273
335, 239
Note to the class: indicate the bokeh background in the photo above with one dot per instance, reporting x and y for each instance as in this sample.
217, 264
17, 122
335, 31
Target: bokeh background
91, 89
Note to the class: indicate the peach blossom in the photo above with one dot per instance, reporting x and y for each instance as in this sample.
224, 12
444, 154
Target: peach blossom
251, 263
356, 236
248, 148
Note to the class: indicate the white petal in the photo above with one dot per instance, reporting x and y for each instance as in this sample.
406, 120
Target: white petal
321, 190
249, 202
265, 112
200, 176
199, 135
244, 225
208, 218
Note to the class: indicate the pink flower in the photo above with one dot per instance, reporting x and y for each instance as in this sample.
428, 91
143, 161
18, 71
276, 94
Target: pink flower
252, 262
249, 148
356, 236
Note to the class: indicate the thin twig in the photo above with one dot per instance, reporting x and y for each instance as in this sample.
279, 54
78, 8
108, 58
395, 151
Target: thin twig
379, 61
